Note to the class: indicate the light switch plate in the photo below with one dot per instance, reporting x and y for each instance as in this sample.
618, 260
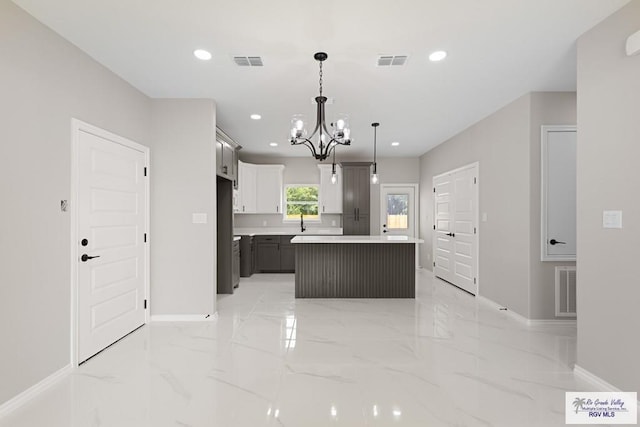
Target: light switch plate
612, 219
199, 218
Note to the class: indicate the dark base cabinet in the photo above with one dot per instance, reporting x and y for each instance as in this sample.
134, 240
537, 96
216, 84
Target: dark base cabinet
275, 254
247, 259
235, 268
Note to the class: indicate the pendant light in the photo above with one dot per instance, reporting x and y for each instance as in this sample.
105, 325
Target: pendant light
374, 175
334, 177
327, 140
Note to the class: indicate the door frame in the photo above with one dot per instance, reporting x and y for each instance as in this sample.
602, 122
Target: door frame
416, 213
76, 127
476, 196
416, 202
545, 130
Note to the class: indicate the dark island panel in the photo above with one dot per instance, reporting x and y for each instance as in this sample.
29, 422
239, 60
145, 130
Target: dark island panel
355, 270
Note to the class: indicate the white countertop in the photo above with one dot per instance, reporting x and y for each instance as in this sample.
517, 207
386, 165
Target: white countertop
286, 231
236, 238
355, 239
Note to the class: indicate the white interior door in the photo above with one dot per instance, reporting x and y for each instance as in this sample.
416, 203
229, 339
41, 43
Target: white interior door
398, 209
443, 258
111, 218
455, 239
558, 193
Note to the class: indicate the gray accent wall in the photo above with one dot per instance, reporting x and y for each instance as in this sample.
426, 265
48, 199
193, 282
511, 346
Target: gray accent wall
609, 179
183, 180
507, 146
44, 82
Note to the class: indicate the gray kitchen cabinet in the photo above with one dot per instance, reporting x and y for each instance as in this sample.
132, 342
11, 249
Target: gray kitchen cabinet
247, 260
268, 254
235, 269
227, 157
287, 255
356, 198
275, 254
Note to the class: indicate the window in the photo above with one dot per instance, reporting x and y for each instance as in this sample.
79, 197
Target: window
302, 199
397, 212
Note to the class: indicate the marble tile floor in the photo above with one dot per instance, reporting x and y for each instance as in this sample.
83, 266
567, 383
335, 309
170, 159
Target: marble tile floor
443, 359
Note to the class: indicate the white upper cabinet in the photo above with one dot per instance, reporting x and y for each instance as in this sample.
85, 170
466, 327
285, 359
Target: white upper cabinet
260, 188
269, 188
330, 194
246, 188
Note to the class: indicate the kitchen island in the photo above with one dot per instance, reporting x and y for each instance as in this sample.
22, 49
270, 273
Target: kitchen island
355, 266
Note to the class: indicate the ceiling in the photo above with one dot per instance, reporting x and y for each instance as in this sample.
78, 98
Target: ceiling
497, 50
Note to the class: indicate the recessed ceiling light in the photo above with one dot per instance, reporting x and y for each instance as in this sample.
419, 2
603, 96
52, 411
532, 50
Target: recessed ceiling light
256, 116
273, 144
202, 54
395, 143
438, 55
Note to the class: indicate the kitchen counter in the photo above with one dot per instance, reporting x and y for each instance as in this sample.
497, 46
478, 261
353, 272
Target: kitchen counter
355, 239
286, 231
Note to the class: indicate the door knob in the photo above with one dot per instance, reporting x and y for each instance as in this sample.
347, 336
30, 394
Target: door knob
451, 234
384, 231
86, 257
556, 242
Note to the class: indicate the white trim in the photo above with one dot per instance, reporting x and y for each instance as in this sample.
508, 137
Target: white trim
491, 303
33, 391
552, 322
76, 127
598, 383
475, 165
184, 317
544, 131
525, 321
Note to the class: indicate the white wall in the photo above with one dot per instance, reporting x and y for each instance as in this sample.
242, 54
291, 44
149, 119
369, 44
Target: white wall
183, 175
500, 143
609, 179
507, 146
547, 108
44, 82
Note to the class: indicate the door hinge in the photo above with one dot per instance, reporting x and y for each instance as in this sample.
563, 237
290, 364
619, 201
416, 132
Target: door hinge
475, 180
434, 263
434, 189
434, 226
474, 230
145, 304
145, 171
474, 280
145, 237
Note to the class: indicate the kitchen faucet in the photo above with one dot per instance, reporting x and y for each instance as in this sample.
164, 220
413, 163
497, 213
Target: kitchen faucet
302, 227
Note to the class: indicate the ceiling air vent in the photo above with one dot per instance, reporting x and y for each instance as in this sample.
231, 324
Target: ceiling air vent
248, 61
389, 60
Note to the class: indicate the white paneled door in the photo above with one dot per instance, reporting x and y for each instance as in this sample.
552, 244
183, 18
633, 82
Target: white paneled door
111, 227
455, 245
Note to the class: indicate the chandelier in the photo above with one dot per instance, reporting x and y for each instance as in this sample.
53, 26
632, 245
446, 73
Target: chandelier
327, 141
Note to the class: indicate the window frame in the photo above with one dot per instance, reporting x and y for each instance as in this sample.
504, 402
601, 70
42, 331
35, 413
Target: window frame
286, 205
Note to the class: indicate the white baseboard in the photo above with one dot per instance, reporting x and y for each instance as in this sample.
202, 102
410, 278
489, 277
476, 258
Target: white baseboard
598, 383
19, 400
552, 322
594, 380
184, 317
484, 300
520, 318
